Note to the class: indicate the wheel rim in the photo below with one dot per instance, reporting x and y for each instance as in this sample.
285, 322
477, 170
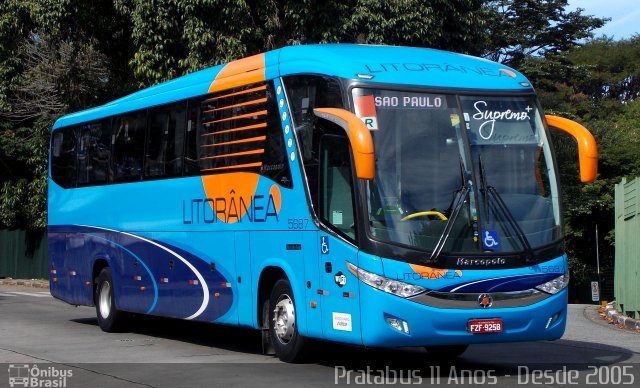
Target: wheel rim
104, 300
284, 319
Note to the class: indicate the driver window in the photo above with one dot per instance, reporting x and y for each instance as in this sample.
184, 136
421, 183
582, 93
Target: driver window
336, 194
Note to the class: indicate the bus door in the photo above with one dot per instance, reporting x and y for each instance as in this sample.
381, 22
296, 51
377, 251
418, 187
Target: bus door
338, 289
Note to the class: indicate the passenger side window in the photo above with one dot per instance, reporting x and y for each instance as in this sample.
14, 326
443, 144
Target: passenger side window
128, 146
63, 157
165, 141
306, 92
191, 138
94, 153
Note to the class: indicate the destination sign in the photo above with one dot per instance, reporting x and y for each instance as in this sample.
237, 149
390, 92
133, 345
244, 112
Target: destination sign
400, 100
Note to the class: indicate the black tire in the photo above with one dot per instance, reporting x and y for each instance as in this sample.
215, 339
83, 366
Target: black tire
287, 342
446, 352
110, 319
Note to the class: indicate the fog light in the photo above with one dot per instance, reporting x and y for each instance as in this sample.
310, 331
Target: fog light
552, 320
397, 323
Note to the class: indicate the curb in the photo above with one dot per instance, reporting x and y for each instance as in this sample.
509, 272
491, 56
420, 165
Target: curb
36, 283
611, 314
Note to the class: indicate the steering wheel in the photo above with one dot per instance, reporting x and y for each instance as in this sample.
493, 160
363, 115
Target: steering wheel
424, 214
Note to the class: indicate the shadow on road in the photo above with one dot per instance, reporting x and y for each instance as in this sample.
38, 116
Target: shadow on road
504, 359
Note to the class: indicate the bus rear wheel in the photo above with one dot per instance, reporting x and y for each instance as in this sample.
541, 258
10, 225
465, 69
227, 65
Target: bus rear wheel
110, 318
283, 329
446, 352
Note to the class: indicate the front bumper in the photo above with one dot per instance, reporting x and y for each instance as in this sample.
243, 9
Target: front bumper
428, 325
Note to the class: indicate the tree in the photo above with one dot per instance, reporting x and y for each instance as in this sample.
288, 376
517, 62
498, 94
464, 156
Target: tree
519, 29
56, 56
175, 37
595, 84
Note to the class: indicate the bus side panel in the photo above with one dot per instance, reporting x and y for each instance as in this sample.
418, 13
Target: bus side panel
245, 301
192, 273
269, 249
312, 272
72, 255
341, 296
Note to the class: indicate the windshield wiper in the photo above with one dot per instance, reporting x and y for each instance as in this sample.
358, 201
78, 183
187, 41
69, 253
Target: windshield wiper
459, 200
488, 190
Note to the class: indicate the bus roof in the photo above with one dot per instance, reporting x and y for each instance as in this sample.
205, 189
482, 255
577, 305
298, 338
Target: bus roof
364, 63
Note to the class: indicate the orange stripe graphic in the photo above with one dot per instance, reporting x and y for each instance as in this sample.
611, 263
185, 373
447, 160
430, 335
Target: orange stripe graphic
252, 102
259, 113
259, 88
248, 140
253, 152
258, 164
241, 72
245, 128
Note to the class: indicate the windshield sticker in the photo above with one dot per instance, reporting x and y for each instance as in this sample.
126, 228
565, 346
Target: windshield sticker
490, 117
455, 119
500, 121
366, 111
490, 240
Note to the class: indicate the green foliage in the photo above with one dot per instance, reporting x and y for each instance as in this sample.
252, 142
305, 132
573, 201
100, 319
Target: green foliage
23, 195
519, 29
15, 25
597, 85
175, 37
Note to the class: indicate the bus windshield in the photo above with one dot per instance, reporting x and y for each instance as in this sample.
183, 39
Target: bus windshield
459, 174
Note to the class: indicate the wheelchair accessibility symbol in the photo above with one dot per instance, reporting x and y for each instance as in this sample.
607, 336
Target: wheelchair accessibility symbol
324, 245
490, 240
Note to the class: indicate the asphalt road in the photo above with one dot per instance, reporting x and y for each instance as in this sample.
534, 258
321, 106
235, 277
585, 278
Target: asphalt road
55, 344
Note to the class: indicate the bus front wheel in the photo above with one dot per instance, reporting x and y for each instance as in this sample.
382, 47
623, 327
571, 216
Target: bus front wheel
110, 318
283, 329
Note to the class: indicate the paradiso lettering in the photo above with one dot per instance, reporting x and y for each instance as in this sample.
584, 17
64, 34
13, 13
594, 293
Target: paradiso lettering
230, 209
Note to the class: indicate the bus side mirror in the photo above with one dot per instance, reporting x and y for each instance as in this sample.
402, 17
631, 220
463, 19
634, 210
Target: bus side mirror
359, 138
587, 147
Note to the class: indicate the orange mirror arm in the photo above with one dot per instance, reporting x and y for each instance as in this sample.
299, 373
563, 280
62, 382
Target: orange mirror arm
359, 137
587, 147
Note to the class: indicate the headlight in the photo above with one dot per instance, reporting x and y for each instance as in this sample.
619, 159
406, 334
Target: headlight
382, 283
556, 285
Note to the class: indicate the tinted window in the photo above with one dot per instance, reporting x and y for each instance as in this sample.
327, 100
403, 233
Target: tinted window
305, 93
94, 153
165, 141
63, 157
191, 138
128, 146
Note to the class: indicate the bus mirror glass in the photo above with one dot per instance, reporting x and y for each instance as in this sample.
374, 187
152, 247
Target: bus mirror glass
587, 148
359, 138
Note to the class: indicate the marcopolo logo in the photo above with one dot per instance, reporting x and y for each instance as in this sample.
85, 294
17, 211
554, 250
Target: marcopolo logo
25, 375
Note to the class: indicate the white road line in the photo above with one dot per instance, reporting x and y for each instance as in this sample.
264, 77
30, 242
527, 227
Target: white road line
37, 295
3, 294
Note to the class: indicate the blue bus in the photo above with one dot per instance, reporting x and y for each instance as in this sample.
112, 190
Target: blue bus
369, 195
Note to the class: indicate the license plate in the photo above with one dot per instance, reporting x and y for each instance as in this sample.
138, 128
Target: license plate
482, 326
